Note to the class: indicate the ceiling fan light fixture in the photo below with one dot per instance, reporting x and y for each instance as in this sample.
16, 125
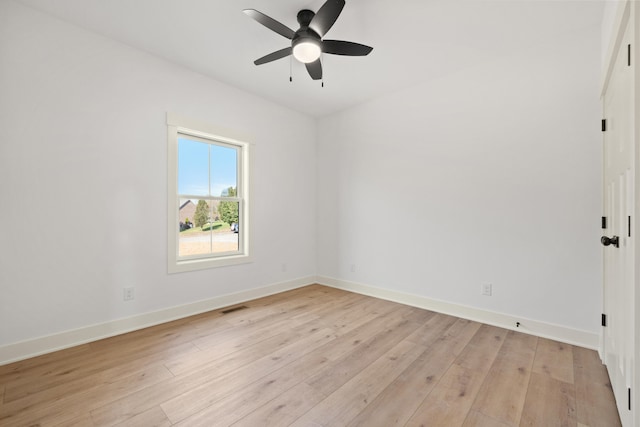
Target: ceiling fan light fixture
306, 50
307, 43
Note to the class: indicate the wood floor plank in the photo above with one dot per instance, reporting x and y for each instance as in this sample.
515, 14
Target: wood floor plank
549, 402
357, 313
195, 389
66, 408
554, 359
308, 365
181, 408
164, 334
510, 374
284, 308
432, 330
234, 406
340, 371
419, 315
341, 304
230, 354
80, 385
346, 402
276, 384
148, 345
37, 365
154, 417
595, 404
398, 401
83, 420
199, 398
160, 393
234, 341
283, 409
346, 324
296, 294
476, 418
252, 333
381, 408
449, 403
204, 324
312, 356
483, 348
246, 334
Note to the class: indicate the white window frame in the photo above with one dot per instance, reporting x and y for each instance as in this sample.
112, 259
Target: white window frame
177, 126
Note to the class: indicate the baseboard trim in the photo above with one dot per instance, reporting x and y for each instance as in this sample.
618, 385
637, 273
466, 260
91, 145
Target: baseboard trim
529, 326
47, 344
38, 346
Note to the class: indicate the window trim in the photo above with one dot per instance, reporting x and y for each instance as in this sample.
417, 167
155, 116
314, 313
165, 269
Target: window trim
179, 125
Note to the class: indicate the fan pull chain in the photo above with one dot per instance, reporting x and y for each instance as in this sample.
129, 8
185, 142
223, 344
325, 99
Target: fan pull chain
290, 69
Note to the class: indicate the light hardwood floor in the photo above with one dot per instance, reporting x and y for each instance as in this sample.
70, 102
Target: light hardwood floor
310, 357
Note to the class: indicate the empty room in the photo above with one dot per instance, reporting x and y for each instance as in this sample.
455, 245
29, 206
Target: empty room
319, 213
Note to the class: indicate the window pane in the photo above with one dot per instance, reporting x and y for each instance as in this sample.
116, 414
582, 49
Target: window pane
206, 170
224, 171
225, 236
195, 227
193, 167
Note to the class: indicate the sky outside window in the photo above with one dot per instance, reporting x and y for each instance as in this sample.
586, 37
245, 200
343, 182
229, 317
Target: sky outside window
202, 166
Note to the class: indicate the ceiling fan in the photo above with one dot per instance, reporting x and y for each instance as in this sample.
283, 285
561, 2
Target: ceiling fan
307, 42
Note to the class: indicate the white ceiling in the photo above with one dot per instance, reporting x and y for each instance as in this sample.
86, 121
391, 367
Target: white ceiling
413, 40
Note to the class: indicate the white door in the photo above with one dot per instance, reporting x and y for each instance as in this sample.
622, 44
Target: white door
619, 199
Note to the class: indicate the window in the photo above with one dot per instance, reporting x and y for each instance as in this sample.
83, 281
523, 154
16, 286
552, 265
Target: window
208, 197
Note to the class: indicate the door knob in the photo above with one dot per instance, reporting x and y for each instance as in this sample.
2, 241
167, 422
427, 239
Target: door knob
614, 240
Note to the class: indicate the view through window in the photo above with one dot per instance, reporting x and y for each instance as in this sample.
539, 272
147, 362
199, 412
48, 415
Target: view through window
209, 208
208, 200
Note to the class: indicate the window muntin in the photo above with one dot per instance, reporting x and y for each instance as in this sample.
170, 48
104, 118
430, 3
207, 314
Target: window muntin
209, 201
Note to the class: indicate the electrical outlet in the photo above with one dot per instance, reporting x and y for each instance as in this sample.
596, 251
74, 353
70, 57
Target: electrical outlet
486, 289
284, 267
127, 294
353, 268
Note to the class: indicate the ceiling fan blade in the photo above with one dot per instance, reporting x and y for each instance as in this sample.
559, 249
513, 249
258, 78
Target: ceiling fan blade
326, 16
270, 23
274, 55
315, 69
341, 47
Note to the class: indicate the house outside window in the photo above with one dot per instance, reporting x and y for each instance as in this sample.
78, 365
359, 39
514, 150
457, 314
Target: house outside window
208, 193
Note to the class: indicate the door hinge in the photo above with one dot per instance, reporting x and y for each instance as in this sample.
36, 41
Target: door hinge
629, 226
604, 222
604, 319
629, 55
604, 125
629, 398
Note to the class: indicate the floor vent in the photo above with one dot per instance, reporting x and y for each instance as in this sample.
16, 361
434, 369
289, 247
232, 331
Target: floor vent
232, 309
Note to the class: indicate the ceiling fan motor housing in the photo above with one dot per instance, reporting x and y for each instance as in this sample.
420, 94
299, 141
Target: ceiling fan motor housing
306, 43
304, 17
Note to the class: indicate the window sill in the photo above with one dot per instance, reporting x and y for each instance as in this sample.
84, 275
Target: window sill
202, 264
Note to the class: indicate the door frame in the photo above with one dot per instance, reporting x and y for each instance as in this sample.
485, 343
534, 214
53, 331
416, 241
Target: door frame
628, 13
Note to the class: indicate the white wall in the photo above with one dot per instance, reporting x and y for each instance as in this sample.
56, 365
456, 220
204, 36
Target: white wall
491, 175
488, 175
83, 179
